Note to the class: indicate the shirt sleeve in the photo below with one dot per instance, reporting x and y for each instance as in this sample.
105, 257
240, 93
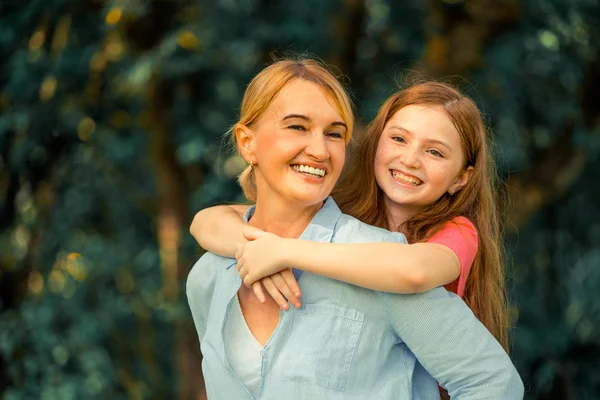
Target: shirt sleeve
453, 345
200, 287
461, 236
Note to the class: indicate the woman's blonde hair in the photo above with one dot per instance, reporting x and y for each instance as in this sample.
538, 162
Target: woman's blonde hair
359, 195
264, 88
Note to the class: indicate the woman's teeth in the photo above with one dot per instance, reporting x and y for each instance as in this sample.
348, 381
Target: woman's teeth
309, 170
400, 177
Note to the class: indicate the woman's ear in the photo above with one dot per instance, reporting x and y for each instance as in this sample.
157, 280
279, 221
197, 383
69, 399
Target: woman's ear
244, 137
460, 181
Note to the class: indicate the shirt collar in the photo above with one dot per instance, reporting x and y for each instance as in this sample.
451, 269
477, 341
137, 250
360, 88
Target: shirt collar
319, 229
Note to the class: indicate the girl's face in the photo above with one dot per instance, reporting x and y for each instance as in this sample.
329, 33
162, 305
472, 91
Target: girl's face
419, 158
298, 146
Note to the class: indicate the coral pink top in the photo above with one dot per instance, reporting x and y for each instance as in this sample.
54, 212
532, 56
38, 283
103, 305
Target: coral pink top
460, 235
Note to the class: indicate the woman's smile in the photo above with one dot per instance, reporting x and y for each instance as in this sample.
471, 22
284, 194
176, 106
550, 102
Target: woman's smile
300, 146
308, 170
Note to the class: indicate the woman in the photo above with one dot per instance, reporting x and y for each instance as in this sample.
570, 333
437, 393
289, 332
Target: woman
345, 341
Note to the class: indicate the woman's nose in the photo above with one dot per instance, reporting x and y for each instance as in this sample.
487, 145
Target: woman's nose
317, 148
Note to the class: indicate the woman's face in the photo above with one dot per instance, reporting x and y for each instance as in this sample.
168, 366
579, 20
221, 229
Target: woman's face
299, 145
419, 158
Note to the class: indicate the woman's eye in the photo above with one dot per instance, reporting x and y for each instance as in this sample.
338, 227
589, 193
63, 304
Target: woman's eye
436, 153
297, 127
336, 135
399, 139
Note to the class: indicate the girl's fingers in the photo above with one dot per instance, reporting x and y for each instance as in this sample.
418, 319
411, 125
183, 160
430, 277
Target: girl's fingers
259, 292
242, 271
284, 289
290, 279
274, 292
244, 276
253, 234
248, 280
239, 252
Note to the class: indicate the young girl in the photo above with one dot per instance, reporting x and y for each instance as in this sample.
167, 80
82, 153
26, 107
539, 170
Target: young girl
424, 168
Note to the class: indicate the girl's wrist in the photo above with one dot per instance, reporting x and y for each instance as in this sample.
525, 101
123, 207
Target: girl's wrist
286, 252
241, 242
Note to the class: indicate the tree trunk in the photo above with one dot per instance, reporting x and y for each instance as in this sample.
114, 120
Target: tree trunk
170, 222
464, 31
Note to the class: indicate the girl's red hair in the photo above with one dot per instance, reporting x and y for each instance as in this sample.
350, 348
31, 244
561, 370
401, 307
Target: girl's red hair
359, 195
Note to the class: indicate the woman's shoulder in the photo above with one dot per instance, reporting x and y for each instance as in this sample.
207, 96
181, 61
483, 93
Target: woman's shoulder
206, 266
351, 230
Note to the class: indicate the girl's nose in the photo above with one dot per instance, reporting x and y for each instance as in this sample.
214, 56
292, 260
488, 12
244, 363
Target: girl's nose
411, 158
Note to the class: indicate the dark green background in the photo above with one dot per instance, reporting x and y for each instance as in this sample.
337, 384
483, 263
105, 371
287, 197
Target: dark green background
112, 115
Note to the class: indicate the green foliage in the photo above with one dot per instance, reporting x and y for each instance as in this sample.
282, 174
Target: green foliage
112, 121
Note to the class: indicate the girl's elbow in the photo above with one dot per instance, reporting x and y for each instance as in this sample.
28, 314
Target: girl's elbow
195, 226
421, 284
415, 282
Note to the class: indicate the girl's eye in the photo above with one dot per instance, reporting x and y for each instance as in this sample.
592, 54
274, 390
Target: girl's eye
436, 153
297, 127
336, 135
399, 139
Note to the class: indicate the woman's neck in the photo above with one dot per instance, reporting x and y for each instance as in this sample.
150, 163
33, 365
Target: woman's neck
282, 218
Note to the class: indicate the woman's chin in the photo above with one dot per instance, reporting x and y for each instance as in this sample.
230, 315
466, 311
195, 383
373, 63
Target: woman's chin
307, 200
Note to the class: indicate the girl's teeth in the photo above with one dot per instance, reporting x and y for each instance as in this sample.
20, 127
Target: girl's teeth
401, 177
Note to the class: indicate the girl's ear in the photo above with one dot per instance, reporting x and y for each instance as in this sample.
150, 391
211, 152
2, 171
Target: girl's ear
244, 137
460, 181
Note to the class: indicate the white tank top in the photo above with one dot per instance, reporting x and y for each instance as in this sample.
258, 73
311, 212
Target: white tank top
243, 350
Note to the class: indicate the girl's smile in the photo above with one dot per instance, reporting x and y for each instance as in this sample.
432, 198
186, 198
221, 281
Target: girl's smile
419, 159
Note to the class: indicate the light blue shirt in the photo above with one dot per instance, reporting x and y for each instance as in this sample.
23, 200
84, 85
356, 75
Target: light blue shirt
347, 342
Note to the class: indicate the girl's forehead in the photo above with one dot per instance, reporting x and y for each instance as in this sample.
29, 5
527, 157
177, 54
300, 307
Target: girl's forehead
424, 120
419, 112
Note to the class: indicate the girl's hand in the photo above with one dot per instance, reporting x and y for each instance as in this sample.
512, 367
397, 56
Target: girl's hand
261, 256
260, 266
280, 286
